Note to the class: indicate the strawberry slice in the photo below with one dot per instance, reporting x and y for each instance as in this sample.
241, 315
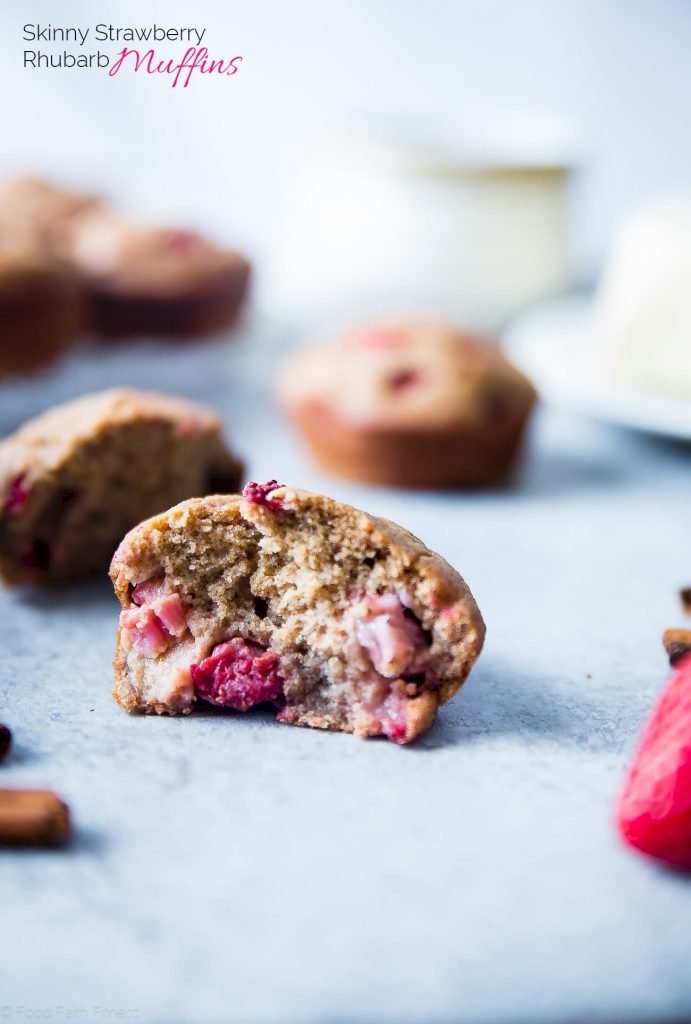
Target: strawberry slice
654, 813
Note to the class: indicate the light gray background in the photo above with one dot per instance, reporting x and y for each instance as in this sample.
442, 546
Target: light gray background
229, 868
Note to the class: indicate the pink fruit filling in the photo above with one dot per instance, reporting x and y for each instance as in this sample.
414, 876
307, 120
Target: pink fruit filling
381, 338
142, 630
182, 241
258, 494
17, 494
156, 621
393, 717
393, 638
238, 674
405, 379
397, 647
166, 604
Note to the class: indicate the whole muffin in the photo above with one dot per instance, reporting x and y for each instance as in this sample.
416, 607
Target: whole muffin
409, 405
155, 281
41, 305
75, 479
339, 619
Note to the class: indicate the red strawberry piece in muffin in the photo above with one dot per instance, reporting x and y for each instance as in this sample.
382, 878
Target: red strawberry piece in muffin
263, 494
238, 674
338, 619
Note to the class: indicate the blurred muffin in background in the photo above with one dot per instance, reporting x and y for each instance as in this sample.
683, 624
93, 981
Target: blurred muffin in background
410, 405
76, 478
154, 281
134, 280
41, 302
643, 318
45, 210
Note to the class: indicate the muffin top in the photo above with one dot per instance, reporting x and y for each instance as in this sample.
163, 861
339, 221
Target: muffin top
44, 442
126, 257
43, 207
408, 375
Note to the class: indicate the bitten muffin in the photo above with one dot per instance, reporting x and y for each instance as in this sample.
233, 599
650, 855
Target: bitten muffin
341, 620
155, 281
41, 307
410, 405
75, 479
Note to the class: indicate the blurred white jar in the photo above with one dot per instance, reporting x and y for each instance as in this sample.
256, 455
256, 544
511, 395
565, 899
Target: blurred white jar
642, 329
384, 229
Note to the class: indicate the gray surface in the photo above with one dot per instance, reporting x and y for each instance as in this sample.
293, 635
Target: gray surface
228, 868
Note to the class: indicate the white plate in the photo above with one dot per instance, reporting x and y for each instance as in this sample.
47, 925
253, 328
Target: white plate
552, 344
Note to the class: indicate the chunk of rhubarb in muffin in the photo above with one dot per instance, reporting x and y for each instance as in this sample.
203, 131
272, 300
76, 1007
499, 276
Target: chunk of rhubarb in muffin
156, 594
342, 620
391, 634
157, 619
142, 630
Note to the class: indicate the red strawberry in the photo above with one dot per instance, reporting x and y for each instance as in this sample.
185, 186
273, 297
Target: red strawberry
654, 813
